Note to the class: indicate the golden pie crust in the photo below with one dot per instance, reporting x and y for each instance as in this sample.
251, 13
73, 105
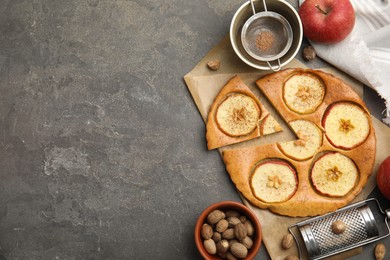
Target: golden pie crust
307, 200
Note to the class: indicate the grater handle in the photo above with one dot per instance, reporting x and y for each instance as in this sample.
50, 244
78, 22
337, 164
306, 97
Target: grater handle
296, 240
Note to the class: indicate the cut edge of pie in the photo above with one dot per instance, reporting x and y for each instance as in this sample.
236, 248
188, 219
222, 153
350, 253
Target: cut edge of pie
269, 126
219, 131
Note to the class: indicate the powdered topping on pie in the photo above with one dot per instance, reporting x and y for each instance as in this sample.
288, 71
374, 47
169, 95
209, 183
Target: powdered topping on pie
308, 142
237, 115
346, 125
334, 174
303, 93
274, 181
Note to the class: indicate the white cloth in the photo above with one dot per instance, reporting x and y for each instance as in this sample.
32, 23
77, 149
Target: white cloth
365, 53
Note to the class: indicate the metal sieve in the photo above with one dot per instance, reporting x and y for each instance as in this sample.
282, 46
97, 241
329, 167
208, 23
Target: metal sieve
266, 36
362, 220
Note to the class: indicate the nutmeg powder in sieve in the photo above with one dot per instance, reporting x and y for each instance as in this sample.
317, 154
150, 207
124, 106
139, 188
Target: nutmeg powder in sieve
265, 40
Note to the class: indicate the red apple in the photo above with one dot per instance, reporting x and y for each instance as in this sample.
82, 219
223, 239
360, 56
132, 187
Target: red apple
327, 21
383, 178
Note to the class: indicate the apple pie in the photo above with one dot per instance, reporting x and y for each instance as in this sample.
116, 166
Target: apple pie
330, 161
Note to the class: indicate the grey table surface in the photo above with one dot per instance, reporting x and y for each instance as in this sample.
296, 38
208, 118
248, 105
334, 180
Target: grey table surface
102, 149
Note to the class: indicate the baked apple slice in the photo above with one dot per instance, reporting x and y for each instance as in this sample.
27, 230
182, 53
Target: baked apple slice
237, 115
346, 125
273, 181
334, 174
303, 92
309, 140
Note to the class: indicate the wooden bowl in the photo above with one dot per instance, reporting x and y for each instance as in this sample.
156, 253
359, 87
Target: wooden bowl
224, 206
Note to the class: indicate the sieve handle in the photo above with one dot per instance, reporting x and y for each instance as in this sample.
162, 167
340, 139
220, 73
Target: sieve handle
276, 68
265, 6
254, 9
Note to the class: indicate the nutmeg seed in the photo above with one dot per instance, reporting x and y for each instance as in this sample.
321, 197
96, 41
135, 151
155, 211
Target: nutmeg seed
215, 216
222, 246
232, 241
216, 237
380, 251
232, 213
206, 231
287, 241
233, 221
338, 227
247, 242
243, 218
230, 256
213, 64
240, 231
228, 234
239, 250
209, 246
222, 225
308, 53
249, 228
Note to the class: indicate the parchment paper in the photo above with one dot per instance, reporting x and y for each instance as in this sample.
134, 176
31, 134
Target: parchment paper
204, 86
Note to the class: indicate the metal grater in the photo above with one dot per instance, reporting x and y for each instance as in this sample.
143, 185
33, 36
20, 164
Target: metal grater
362, 228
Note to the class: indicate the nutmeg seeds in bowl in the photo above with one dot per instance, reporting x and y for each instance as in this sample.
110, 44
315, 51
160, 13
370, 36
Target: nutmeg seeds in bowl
227, 229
